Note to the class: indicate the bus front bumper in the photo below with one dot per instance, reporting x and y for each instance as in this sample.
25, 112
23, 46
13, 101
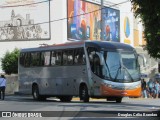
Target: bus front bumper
108, 91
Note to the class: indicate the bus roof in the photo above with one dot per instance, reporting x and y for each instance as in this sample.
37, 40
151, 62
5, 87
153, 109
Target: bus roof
55, 46
98, 44
102, 45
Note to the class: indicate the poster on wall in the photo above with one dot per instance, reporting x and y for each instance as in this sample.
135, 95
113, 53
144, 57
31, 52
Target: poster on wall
112, 24
22, 20
83, 23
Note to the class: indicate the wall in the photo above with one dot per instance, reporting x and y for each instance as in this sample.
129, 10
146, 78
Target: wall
58, 28
12, 84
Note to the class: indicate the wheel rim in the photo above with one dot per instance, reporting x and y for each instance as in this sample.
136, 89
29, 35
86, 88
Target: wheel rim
83, 92
35, 92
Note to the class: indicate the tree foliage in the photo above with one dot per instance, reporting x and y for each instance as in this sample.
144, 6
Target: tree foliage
149, 12
9, 62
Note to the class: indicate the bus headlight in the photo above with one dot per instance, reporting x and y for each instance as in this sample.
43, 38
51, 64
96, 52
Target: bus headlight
134, 87
138, 86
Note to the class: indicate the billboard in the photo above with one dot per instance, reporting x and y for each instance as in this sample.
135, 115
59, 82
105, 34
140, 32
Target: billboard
24, 20
111, 24
84, 21
83, 24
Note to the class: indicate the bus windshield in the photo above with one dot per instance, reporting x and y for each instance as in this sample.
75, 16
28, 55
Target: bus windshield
120, 66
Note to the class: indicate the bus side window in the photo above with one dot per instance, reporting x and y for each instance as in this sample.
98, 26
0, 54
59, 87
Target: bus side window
47, 58
35, 59
91, 52
70, 57
58, 57
97, 69
76, 56
53, 58
65, 54
79, 57
27, 59
94, 61
22, 59
42, 59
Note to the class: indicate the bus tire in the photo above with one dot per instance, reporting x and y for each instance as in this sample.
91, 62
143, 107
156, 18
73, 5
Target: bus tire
35, 92
83, 94
118, 100
65, 98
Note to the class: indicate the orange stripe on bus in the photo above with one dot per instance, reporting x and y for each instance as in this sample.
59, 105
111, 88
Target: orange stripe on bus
107, 91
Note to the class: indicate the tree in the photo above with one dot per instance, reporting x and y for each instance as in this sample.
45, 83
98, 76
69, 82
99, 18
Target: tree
10, 61
149, 12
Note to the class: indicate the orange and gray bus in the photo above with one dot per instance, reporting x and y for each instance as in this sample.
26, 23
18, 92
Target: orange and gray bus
86, 69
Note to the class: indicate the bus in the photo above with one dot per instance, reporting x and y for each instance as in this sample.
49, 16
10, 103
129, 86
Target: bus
86, 69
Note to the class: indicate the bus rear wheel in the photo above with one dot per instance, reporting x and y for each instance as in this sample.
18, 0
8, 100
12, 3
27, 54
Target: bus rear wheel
83, 94
36, 95
35, 92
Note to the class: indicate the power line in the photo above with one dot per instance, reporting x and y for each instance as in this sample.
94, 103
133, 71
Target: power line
4, 6
8, 6
71, 16
91, 11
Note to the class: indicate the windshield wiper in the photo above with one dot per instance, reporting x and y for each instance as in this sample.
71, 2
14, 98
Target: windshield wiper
119, 69
108, 71
128, 73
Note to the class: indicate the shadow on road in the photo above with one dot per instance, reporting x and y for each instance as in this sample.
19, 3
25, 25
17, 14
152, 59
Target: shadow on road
96, 110
124, 105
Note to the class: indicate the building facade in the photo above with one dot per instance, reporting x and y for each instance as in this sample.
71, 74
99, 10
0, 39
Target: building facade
30, 23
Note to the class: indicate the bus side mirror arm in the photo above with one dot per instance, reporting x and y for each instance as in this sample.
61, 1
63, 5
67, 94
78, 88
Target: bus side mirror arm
143, 59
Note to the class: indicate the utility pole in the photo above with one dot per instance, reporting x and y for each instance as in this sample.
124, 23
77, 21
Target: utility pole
102, 21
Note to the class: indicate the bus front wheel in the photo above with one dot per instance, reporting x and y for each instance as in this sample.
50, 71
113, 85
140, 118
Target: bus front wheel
83, 94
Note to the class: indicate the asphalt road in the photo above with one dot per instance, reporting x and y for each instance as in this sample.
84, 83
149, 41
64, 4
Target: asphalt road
52, 108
